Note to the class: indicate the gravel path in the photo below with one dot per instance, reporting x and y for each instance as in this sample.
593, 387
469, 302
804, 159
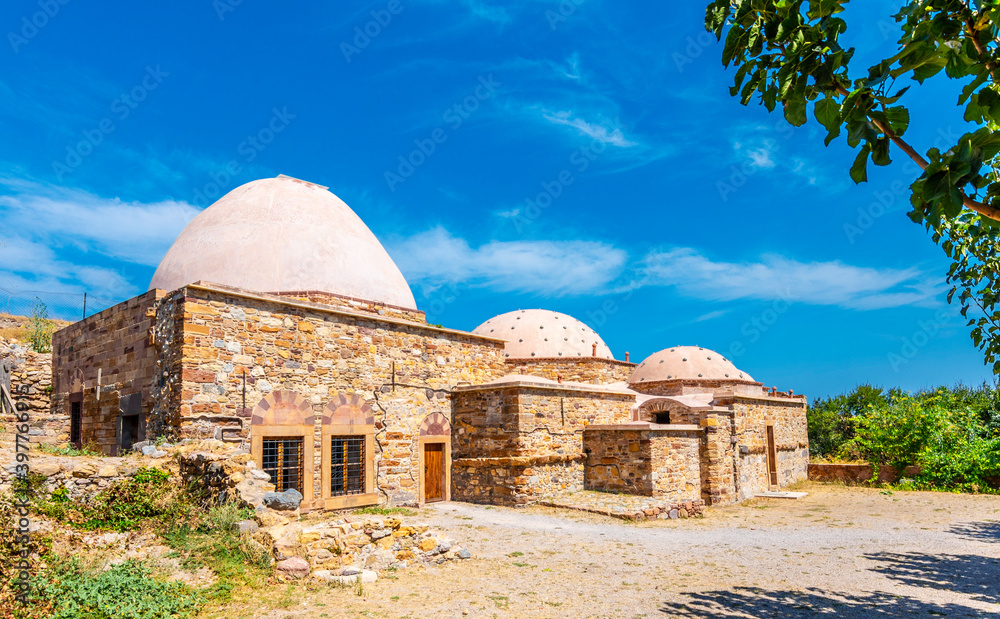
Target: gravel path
838, 552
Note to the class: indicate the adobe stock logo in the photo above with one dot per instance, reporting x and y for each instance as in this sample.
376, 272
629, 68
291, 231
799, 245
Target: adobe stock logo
33, 24
122, 108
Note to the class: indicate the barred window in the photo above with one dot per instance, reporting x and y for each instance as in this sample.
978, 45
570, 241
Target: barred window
347, 467
282, 460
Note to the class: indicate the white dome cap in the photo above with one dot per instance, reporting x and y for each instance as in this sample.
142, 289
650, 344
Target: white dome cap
543, 334
284, 235
686, 363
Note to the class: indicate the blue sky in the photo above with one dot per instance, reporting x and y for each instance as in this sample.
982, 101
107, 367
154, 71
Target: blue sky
582, 156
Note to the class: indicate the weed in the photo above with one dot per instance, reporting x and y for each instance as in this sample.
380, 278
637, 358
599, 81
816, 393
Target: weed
67, 590
69, 450
385, 511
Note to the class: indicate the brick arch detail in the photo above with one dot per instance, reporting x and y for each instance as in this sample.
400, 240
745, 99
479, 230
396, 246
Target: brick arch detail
347, 410
435, 424
282, 408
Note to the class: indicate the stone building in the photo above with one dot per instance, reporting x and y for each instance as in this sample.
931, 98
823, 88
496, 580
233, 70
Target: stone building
278, 321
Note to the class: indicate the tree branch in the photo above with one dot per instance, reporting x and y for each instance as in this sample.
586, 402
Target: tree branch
983, 209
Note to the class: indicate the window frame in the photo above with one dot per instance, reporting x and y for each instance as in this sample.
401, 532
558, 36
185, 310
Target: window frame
261, 432
301, 464
370, 495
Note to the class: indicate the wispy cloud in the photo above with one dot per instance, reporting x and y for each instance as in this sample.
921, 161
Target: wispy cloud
554, 268
777, 277
606, 132
131, 231
68, 240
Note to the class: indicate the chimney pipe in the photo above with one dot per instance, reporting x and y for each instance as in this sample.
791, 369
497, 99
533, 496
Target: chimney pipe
594, 354
626, 356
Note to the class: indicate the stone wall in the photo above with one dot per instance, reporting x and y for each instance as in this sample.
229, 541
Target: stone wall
594, 370
103, 358
31, 385
403, 370
648, 460
81, 476
857, 473
530, 420
515, 481
515, 443
791, 438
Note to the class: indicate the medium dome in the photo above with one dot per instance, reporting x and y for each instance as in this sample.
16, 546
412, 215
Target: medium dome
543, 334
686, 363
284, 235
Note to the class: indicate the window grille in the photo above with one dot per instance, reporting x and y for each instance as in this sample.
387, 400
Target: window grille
347, 466
282, 460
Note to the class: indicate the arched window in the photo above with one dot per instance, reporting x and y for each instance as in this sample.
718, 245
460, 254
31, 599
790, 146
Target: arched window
348, 457
281, 442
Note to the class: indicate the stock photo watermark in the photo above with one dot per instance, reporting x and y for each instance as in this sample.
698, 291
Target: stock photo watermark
755, 328
365, 33
926, 331
562, 12
122, 107
757, 159
20, 578
889, 201
32, 24
250, 148
455, 116
533, 207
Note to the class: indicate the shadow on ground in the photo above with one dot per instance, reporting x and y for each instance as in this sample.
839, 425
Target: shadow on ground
752, 602
988, 531
978, 577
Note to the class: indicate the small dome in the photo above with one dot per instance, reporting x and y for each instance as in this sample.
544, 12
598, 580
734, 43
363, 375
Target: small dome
283, 235
686, 363
543, 334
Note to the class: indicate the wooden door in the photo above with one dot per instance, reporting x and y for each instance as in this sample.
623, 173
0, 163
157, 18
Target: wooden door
433, 472
772, 458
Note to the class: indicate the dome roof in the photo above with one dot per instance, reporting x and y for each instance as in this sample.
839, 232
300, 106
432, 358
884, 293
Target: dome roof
283, 235
686, 363
541, 333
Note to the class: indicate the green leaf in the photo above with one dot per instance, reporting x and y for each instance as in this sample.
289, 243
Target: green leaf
880, 152
859, 171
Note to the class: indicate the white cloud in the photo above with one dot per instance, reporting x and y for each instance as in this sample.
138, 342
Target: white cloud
773, 277
607, 133
44, 225
134, 232
555, 268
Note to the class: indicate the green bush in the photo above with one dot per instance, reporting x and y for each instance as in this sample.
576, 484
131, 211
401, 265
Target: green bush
832, 420
948, 433
122, 506
127, 591
40, 328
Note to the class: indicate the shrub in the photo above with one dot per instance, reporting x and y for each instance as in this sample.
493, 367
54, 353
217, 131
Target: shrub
122, 506
125, 591
40, 328
832, 420
940, 431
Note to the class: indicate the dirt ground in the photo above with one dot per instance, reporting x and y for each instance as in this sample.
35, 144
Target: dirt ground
842, 552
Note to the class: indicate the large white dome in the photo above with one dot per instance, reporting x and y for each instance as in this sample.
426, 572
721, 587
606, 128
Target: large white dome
284, 235
543, 334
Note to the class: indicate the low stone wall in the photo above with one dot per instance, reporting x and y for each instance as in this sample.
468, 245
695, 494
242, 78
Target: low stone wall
857, 473
81, 476
627, 506
515, 481
647, 459
346, 545
338, 548
31, 384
